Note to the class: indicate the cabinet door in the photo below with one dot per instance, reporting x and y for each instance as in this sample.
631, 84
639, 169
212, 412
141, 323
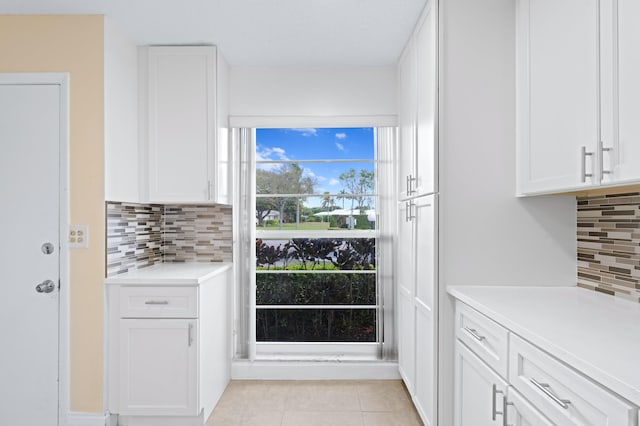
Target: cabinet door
181, 115
425, 305
158, 367
625, 156
406, 339
425, 370
557, 93
521, 413
407, 89
424, 217
406, 290
425, 144
479, 392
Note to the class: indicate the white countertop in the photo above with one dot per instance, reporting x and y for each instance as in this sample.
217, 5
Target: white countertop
594, 333
171, 274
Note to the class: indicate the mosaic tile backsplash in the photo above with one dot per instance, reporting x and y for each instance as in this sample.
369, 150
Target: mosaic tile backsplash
140, 235
609, 244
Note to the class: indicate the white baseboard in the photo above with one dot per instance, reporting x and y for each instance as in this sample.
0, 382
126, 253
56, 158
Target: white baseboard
310, 370
88, 419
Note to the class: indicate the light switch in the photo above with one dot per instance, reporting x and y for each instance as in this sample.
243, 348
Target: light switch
78, 236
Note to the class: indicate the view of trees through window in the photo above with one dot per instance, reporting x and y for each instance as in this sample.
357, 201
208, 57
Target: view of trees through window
311, 289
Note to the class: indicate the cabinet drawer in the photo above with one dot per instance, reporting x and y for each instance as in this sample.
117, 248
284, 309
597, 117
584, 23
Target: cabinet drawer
561, 393
486, 338
158, 302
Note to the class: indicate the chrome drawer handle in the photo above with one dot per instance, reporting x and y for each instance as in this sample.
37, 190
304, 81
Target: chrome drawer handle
474, 334
156, 302
545, 389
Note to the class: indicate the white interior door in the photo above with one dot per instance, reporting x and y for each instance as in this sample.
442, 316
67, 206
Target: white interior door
29, 218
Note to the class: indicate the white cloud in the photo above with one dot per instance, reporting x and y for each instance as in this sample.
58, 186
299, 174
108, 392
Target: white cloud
269, 154
306, 131
334, 182
339, 146
280, 153
341, 135
309, 173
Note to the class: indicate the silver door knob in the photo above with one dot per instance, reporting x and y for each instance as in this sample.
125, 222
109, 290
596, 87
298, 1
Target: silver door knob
46, 286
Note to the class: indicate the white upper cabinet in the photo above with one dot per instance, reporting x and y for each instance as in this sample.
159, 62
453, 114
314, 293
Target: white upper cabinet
425, 142
577, 91
557, 93
407, 107
624, 158
185, 136
417, 106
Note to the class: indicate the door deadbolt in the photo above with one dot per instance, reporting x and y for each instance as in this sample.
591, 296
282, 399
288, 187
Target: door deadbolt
46, 286
47, 248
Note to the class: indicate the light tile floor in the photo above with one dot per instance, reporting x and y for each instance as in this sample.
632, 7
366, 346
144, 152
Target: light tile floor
315, 403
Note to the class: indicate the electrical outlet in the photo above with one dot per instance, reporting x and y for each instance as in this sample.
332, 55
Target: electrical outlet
78, 236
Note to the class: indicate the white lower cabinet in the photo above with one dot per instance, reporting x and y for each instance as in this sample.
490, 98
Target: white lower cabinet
159, 373
563, 394
483, 397
417, 307
521, 413
536, 389
479, 391
406, 339
169, 350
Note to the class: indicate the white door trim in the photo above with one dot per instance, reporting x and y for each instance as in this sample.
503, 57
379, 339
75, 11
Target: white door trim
61, 79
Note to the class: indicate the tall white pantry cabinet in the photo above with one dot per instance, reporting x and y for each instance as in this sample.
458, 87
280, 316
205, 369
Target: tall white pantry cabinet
416, 249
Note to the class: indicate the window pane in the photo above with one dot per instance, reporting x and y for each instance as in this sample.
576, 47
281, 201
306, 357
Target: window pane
315, 178
315, 213
315, 289
312, 144
315, 325
316, 254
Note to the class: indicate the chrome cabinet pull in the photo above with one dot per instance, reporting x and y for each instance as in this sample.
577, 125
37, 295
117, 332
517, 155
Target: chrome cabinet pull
410, 180
505, 406
409, 216
545, 389
156, 302
474, 334
602, 150
190, 336
583, 164
494, 403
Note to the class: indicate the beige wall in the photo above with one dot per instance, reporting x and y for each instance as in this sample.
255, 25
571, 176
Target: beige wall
74, 44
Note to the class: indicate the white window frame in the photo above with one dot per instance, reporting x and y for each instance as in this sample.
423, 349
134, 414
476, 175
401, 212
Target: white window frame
385, 346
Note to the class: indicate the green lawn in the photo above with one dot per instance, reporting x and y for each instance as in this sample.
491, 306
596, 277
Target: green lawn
303, 226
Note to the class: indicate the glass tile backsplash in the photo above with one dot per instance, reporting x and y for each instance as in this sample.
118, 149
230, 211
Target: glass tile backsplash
140, 235
609, 244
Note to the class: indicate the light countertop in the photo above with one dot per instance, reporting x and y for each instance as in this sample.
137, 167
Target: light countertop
171, 274
597, 334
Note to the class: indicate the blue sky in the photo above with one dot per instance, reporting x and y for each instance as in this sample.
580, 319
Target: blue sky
317, 143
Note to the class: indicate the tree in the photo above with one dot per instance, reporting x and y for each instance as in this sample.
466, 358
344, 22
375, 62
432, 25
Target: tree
286, 179
358, 184
327, 202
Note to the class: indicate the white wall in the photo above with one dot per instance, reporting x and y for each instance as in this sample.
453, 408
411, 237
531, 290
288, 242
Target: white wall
309, 93
487, 235
121, 115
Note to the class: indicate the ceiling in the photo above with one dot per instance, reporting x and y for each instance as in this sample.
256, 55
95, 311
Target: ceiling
268, 33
